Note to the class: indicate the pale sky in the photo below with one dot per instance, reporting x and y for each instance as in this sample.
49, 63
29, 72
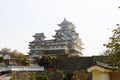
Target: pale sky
21, 19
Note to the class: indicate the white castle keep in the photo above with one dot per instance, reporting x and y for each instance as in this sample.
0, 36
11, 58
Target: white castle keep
66, 42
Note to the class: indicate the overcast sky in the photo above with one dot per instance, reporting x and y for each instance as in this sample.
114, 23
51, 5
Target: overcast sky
21, 19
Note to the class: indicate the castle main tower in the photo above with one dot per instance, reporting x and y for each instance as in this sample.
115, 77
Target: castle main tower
66, 42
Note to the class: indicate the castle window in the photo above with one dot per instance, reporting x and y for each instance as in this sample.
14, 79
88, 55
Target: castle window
38, 47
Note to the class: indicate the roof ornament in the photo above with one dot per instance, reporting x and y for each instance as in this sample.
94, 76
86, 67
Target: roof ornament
65, 19
64, 22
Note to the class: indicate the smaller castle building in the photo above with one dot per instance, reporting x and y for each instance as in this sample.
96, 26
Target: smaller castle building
66, 42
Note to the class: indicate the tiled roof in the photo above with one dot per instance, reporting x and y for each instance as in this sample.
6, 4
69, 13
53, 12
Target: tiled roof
80, 63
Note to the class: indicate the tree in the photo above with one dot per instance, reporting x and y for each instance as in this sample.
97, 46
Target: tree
41, 77
80, 75
48, 62
114, 47
1, 59
22, 60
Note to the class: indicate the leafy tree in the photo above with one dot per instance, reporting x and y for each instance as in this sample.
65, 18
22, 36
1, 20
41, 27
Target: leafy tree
41, 77
22, 60
114, 47
80, 75
48, 62
45, 61
20, 55
1, 59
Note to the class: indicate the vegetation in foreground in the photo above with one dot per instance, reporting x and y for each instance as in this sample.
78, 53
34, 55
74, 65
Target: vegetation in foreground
113, 47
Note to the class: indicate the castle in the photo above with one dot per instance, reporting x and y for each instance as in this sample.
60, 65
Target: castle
64, 46
66, 42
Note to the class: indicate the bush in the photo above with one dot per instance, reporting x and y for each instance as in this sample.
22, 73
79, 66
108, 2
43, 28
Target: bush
41, 78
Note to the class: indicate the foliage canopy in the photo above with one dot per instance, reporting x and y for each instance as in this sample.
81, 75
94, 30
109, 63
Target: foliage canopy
114, 47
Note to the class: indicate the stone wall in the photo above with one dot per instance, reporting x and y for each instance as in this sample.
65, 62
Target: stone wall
50, 75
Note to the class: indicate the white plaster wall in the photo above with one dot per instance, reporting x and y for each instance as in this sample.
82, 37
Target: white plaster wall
105, 76
6, 57
96, 75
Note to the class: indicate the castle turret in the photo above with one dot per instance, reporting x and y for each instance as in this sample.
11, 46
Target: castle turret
39, 37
